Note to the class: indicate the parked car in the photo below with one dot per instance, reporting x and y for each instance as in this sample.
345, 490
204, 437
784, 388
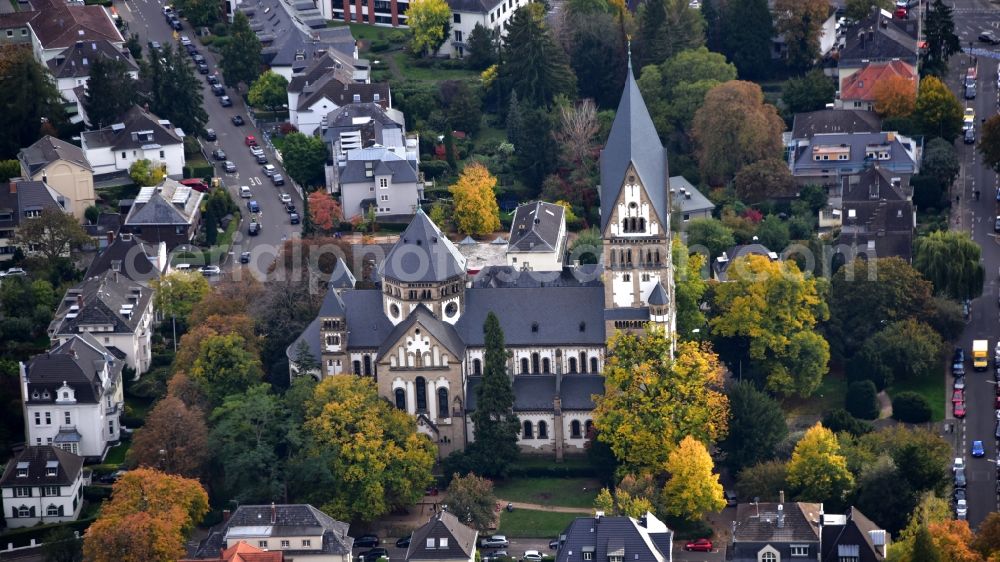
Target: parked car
970, 91
225, 101
284, 198
996, 224
185, 40
960, 481
154, 46
230, 167
212, 79
699, 545
294, 218
730, 498
245, 192
958, 396
218, 89
244, 257
977, 449
261, 158
997, 432
219, 154
374, 554
494, 556
278, 179
970, 136
202, 68
191, 50
252, 206
210, 270
13, 272
988, 36
960, 383
959, 409
404, 542
195, 184
210, 134
532, 556
269, 170
254, 228
237, 120
250, 140
256, 150
366, 541
494, 541
176, 24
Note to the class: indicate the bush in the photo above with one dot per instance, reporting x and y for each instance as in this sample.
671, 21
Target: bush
379, 45
862, 400
220, 29
96, 494
910, 407
434, 169
841, 420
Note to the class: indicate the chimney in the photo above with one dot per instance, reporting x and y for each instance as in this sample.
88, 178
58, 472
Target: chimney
781, 497
13, 187
111, 237
781, 516
79, 300
274, 513
225, 515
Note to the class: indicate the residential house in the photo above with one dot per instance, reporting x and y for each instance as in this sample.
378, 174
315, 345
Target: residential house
537, 237
379, 178
243, 552
64, 168
720, 268
41, 484
420, 334
616, 539
15, 28
71, 69
857, 91
442, 539
290, 53
878, 38
779, 531
827, 33
72, 396
297, 531
877, 217
169, 213
825, 159
22, 201
688, 202
325, 85
363, 125
105, 229
129, 256
807, 125
494, 15
53, 26
114, 309
139, 135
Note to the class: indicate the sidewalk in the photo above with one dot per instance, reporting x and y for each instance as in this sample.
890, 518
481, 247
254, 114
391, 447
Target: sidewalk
554, 508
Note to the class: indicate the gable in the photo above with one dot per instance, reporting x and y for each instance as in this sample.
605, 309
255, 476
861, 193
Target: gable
633, 202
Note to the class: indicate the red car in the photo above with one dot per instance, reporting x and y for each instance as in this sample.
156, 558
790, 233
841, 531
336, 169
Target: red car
900, 13
250, 140
997, 406
959, 396
959, 409
195, 184
700, 545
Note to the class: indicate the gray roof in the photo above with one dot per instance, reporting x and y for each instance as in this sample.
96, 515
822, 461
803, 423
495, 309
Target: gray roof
443, 332
627, 313
422, 255
296, 520
535, 393
159, 208
496, 276
76, 60
366, 318
47, 150
857, 531
103, 299
460, 540
345, 119
384, 163
633, 541
131, 256
339, 89
876, 183
659, 296
722, 263
686, 198
536, 316
760, 523
137, 128
297, 50
899, 158
38, 460
473, 6
19, 196
536, 227
341, 277
880, 37
633, 140
805, 125
75, 363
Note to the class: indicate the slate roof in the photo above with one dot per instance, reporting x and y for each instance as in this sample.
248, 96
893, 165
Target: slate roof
880, 37
535, 393
75, 363
900, 149
132, 257
346, 119
322, 67
860, 86
441, 331
460, 540
857, 530
296, 520
562, 315
686, 198
805, 125
385, 163
58, 24
536, 227
47, 150
26, 196
497, 276
159, 209
633, 140
103, 297
38, 458
124, 134
634, 540
876, 183
332, 79
801, 522
422, 255
76, 60
105, 222
341, 277
659, 296
297, 50
473, 6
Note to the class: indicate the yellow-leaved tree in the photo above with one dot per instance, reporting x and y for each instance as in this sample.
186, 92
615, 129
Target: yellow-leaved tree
818, 471
693, 488
476, 210
651, 401
428, 20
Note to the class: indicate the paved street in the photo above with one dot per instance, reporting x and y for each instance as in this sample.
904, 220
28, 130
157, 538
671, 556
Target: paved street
145, 17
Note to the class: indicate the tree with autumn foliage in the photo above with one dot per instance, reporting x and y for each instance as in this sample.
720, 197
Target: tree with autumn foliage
818, 471
174, 439
693, 488
800, 22
773, 310
225, 365
476, 209
232, 322
632, 497
895, 96
938, 111
325, 211
652, 401
954, 540
147, 518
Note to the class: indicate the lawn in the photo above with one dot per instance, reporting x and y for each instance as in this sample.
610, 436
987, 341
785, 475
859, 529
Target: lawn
429, 74
534, 524
932, 389
368, 33
829, 396
567, 492
116, 455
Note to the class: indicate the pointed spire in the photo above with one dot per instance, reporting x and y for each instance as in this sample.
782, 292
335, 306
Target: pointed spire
628, 43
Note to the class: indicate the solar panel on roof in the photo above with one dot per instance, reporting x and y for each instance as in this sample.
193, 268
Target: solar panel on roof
145, 194
181, 195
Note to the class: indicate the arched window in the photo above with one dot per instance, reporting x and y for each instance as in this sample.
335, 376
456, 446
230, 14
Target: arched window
23, 512
443, 403
368, 365
657, 254
524, 365
768, 557
587, 427
631, 223
624, 225
528, 434
572, 364
421, 394
400, 398
477, 367
628, 256
574, 429
546, 366
593, 365
642, 225
357, 367
649, 256
543, 430
535, 360
583, 361
52, 511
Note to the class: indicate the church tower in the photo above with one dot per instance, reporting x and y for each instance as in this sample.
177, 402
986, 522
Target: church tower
635, 219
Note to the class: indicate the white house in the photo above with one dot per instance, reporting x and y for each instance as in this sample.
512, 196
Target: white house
71, 69
42, 484
326, 85
465, 14
115, 310
139, 135
72, 397
538, 237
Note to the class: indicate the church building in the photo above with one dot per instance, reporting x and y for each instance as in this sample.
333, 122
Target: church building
420, 334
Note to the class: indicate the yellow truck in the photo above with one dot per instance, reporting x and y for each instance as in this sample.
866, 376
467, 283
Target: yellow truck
980, 360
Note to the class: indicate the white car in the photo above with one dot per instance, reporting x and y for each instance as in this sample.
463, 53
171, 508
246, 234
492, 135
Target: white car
961, 509
495, 541
245, 192
12, 272
256, 150
269, 170
285, 198
959, 463
209, 270
185, 40
532, 556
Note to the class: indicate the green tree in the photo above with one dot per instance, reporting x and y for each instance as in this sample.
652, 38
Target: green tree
496, 425
145, 173
304, 157
924, 548
430, 21
860, 9
269, 90
532, 63
9, 169
304, 358
110, 92
809, 92
380, 461
939, 32
911, 407
675, 90
941, 160
471, 499
747, 31
800, 22
989, 143
596, 50
764, 179
588, 247
462, 104
482, 48
884, 495
689, 290
763, 480
938, 110
666, 28
241, 54
862, 400
710, 235
693, 488
62, 545
535, 150
201, 13
951, 261
756, 427
26, 85
52, 234
910, 349
134, 46
773, 233
817, 470
173, 91
651, 402
225, 366
175, 294
92, 214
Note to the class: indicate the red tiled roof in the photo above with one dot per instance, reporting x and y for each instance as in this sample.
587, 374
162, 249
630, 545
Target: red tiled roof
243, 552
860, 86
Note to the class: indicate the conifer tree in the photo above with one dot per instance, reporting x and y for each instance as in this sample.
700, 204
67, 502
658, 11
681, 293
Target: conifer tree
496, 424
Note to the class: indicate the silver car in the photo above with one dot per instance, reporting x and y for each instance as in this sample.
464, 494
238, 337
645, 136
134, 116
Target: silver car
230, 166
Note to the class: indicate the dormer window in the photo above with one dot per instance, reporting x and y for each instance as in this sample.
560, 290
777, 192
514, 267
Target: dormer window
22, 470
443, 542
430, 543
534, 327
